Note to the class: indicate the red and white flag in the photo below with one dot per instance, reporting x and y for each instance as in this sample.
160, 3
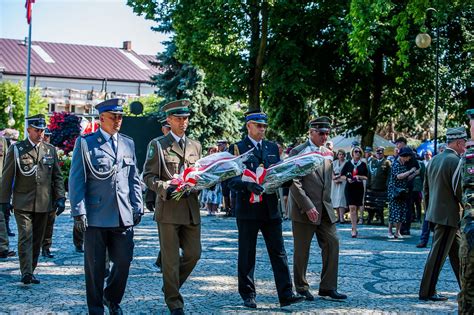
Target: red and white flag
28, 6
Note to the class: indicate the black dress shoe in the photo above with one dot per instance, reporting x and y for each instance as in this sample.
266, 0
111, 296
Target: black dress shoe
28, 278
307, 295
177, 311
7, 253
250, 302
114, 308
47, 253
11, 234
79, 249
435, 298
291, 300
421, 245
333, 294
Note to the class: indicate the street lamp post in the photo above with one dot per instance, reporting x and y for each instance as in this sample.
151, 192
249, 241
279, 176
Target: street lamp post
423, 40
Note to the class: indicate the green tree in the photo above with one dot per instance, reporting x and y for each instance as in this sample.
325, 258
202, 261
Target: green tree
213, 117
226, 39
15, 93
353, 60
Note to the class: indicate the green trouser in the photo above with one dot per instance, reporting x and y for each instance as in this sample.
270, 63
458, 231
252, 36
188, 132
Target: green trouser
176, 269
4, 245
48, 233
31, 227
466, 297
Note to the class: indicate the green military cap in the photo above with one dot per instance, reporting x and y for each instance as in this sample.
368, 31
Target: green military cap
322, 123
178, 108
456, 133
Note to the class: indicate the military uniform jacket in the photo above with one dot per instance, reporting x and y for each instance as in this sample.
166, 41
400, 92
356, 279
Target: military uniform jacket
105, 201
268, 207
33, 193
379, 174
442, 190
311, 191
165, 159
3, 153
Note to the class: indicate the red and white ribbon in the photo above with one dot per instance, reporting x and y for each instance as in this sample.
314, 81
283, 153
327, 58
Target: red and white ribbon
258, 177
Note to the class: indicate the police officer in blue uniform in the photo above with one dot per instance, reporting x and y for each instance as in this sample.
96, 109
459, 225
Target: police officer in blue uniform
106, 202
263, 216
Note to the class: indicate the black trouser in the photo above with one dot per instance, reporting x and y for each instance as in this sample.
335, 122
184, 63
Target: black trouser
119, 244
77, 238
272, 234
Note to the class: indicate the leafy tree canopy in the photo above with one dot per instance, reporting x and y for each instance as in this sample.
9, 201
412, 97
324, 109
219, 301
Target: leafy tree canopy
15, 93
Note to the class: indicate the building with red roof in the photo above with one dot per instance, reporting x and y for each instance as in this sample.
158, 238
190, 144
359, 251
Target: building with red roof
75, 77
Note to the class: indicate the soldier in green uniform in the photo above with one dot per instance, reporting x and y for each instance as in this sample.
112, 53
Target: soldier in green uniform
32, 176
466, 252
179, 221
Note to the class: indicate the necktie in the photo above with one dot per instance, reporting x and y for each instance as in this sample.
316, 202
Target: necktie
258, 152
112, 144
181, 144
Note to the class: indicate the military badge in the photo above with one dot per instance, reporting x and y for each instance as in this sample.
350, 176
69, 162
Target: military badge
151, 151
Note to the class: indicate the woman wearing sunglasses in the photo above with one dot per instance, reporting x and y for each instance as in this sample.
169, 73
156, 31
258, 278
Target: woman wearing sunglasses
355, 172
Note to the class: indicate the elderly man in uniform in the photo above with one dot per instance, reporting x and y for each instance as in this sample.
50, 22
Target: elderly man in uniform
48, 234
466, 253
442, 196
312, 215
32, 175
179, 221
4, 242
106, 203
263, 216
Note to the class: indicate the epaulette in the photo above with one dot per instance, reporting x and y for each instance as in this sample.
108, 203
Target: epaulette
87, 135
125, 136
49, 145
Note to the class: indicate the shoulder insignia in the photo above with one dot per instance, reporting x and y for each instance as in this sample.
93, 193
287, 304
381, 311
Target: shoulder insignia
151, 151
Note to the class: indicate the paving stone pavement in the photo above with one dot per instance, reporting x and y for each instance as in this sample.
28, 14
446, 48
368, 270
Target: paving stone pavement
380, 276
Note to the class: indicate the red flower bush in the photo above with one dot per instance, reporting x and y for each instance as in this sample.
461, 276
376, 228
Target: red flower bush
65, 128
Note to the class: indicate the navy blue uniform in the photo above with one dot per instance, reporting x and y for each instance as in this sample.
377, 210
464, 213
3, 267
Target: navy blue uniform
263, 216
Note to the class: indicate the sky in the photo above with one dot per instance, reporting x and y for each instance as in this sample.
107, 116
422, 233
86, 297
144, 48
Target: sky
90, 22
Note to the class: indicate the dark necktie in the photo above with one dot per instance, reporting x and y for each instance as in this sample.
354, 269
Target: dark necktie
258, 152
112, 144
181, 144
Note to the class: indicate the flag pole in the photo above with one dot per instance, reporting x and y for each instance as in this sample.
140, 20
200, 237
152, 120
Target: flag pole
27, 107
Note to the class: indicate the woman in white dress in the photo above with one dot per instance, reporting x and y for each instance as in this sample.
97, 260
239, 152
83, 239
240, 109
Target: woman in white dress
338, 185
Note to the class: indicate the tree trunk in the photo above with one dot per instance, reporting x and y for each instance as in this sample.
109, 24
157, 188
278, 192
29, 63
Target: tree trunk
372, 109
258, 45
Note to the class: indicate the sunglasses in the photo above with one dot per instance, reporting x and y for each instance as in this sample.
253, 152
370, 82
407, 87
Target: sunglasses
356, 151
323, 133
379, 152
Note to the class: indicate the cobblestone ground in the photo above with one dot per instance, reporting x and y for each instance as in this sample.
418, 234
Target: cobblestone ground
378, 275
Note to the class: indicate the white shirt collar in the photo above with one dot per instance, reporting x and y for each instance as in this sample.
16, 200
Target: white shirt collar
176, 138
107, 136
255, 142
32, 143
